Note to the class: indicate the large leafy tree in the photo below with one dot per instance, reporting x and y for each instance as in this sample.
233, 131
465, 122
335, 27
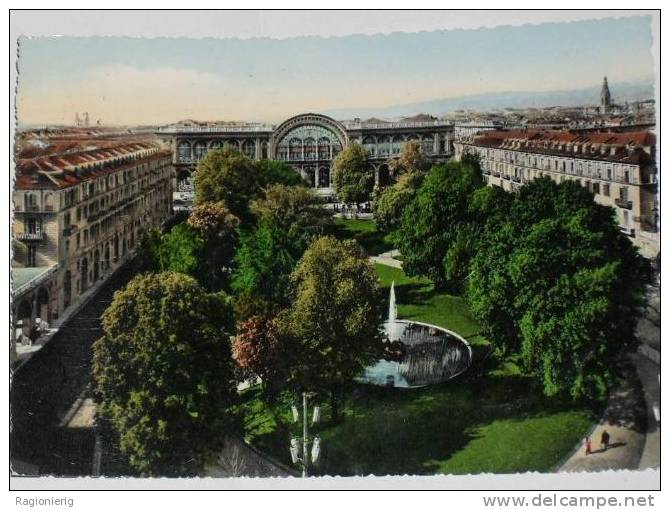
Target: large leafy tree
352, 175
436, 225
217, 228
333, 321
412, 158
295, 210
273, 171
181, 250
228, 176
163, 372
256, 350
263, 265
391, 201
557, 284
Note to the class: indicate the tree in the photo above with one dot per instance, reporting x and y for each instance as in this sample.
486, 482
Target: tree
334, 320
228, 176
163, 373
273, 171
391, 201
181, 250
435, 225
256, 350
295, 210
217, 227
352, 175
263, 265
412, 158
213, 220
556, 283
147, 250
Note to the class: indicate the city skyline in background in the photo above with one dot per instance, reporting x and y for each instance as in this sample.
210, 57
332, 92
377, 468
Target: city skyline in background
164, 80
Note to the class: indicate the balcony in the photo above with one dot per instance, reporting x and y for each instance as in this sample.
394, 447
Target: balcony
38, 235
506, 177
624, 204
69, 230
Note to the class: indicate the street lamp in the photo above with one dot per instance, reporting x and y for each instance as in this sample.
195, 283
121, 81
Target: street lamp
300, 452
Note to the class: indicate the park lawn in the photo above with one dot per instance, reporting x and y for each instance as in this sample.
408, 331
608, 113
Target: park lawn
365, 232
496, 425
490, 419
417, 300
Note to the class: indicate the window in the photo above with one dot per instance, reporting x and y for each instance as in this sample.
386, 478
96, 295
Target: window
78, 239
596, 188
606, 190
31, 226
31, 259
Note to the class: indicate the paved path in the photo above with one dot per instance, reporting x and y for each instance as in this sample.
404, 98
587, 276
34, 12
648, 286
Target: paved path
388, 259
237, 458
634, 425
624, 421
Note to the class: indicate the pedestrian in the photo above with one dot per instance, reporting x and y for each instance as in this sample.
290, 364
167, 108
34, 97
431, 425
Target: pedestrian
587, 442
604, 440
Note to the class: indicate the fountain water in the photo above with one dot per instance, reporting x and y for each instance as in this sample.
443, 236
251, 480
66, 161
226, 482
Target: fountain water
430, 354
391, 329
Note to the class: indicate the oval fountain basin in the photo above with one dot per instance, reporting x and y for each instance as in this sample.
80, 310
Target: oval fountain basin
430, 355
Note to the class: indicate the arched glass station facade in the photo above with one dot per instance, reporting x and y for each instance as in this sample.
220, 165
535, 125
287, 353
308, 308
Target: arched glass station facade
309, 142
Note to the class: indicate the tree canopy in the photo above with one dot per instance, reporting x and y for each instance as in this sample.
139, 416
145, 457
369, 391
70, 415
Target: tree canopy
273, 171
392, 200
333, 320
256, 349
554, 281
263, 265
295, 210
412, 158
352, 175
228, 176
163, 372
436, 227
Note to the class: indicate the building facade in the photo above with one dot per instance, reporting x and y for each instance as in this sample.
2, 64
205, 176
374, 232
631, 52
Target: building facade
618, 168
77, 217
309, 142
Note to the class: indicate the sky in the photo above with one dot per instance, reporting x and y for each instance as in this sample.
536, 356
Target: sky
123, 80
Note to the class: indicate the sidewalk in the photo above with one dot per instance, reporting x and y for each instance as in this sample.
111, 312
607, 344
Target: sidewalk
635, 434
624, 421
388, 259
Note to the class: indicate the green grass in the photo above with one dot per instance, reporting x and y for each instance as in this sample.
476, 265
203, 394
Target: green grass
417, 300
490, 419
365, 232
496, 425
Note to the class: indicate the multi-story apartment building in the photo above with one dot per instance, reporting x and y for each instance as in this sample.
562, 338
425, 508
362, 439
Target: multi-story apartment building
618, 168
309, 142
78, 215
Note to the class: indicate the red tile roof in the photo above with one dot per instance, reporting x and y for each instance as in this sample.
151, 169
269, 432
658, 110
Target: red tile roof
632, 147
68, 169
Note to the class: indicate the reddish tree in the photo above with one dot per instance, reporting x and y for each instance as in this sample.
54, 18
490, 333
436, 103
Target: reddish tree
256, 351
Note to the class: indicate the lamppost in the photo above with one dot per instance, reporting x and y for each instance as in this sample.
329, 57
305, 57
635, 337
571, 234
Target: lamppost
300, 453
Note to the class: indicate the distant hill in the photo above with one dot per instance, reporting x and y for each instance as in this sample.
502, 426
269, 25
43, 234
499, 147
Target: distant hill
626, 91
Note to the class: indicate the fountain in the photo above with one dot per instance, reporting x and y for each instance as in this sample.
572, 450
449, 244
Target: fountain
417, 354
